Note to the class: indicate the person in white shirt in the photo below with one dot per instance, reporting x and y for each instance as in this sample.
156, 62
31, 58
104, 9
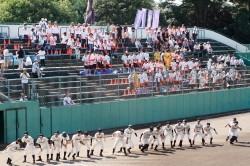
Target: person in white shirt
14, 145
33, 36
91, 40
208, 131
129, 132
167, 131
233, 131
159, 78
158, 133
56, 141
241, 62
43, 145
144, 138
99, 138
138, 44
187, 131
25, 33
76, 141
64, 38
78, 31
198, 130
29, 146
41, 54
209, 64
86, 62
84, 36
106, 62
36, 70
67, 100
120, 138
65, 140
55, 31
72, 29
193, 75
179, 130
87, 141
146, 55
25, 78
77, 48
130, 61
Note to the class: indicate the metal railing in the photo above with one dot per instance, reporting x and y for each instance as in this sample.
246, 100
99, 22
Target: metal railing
101, 87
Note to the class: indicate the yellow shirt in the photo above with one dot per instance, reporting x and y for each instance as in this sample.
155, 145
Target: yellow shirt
157, 56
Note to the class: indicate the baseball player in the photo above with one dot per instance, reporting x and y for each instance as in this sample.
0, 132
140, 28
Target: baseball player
230, 124
179, 130
208, 131
56, 141
76, 142
168, 131
43, 144
120, 136
151, 137
14, 145
198, 130
85, 141
64, 143
234, 132
145, 137
29, 146
158, 135
99, 137
187, 131
129, 132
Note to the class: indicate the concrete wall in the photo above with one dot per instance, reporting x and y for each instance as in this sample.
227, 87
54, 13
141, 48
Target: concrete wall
89, 117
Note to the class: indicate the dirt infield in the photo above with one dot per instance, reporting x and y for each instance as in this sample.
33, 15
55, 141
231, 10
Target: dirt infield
219, 154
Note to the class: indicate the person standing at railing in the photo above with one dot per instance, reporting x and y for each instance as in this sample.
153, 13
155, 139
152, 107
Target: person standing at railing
41, 54
33, 38
7, 59
40, 35
25, 33
78, 31
84, 36
67, 100
25, 79
241, 62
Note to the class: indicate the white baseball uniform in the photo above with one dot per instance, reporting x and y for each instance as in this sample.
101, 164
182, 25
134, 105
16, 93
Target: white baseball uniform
168, 131
179, 128
145, 136
76, 140
229, 132
44, 145
86, 140
157, 134
198, 131
57, 144
187, 130
119, 139
234, 130
129, 133
30, 145
98, 140
64, 141
12, 147
208, 131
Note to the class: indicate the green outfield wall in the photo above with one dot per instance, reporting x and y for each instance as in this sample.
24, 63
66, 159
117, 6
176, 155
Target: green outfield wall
89, 117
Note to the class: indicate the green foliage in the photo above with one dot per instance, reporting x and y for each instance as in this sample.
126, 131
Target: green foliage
218, 15
34, 10
119, 12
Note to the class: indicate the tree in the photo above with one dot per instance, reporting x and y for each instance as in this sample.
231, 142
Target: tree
119, 12
33, 10
80, 7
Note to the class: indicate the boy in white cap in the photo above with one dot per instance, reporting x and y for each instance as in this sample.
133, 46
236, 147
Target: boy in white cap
168, 131
179, 130
145, 137
198, 130
76, 140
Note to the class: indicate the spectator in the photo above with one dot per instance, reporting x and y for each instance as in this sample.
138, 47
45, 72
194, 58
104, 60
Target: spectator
78, 31
138, 44
133, 33
91, 41
64, 42
25, 33
84, 35
157, 55
41, 38
23, 97
77, 48
131, 80
41, 55
33, 38
119, 33
241, 62
55, 32
2, 62
108, 28
7, 58
67, 100
195, 34
112, 28
149, 38
20, 55
25, 79
72, 29
126, 38
36, 72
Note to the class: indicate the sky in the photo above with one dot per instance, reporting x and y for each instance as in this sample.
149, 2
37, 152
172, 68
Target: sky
177, 1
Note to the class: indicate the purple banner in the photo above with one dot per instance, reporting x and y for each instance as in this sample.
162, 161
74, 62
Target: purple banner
150, 15
144, 15
156, 17
138, 19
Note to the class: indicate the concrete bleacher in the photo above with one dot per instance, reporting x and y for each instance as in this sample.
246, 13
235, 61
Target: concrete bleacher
61, 75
